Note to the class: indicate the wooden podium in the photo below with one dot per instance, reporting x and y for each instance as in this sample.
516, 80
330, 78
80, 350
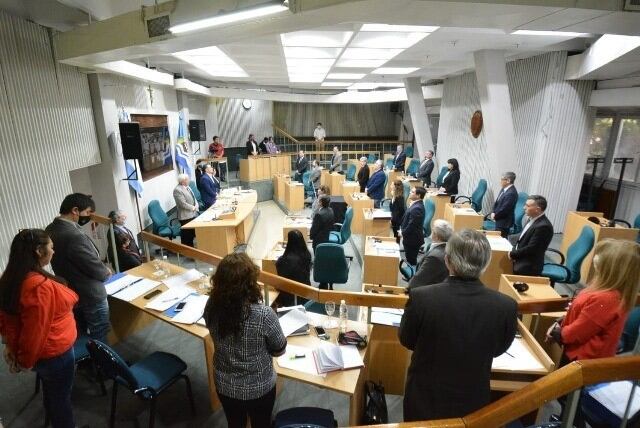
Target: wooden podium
462, 217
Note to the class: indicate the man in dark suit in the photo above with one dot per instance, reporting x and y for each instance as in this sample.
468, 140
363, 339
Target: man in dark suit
375, 185
252, 146
118, 219
302, 165
77, 260
411, 226
503, 207
528, 252
432, 269
363, 173
455, 329
322, 222
209, 186
426, 168
262, 147
399, 158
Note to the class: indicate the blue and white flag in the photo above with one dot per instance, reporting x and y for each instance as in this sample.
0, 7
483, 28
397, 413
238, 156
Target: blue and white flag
133, 177
183, 159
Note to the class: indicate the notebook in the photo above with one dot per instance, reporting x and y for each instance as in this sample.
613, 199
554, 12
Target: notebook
293, 324
329, 357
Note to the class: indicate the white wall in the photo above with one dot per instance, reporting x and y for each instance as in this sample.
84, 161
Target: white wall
235, 123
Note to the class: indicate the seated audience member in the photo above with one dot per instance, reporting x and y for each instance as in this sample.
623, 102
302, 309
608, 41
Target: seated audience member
118, 219
398, 206
451, 178
411, 226
322, 222
336, 160
375, 185
216, 148
272, 148
455, 329
294, 264
322, 190
302, 165
246, 335
425, 169
316, 174
127, 259
432, 269
186, 208
209, 186
503, 208
263, 146
363, 174
529, 248
399, 158
37, 323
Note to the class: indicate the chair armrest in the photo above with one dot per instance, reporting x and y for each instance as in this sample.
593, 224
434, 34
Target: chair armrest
562, 258
566, 269
476, 207
626, 223
486, 217
465, 198
174, 219
337, 224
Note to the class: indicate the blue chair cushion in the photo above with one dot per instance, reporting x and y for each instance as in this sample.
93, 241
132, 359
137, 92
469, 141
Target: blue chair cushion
157, 370
334, 237
555, 272
488, 225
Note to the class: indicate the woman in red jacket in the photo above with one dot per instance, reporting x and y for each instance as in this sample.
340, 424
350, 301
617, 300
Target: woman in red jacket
37, 324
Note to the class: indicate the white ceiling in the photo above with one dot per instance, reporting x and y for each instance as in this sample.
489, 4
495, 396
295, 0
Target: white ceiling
465, 27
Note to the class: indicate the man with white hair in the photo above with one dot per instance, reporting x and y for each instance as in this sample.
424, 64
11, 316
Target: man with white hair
455, 329
399, 158
186, 208
432, 269
375, 185
363, 174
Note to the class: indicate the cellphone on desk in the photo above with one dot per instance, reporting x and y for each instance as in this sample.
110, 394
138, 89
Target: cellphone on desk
322, 334
152, 294
180, 306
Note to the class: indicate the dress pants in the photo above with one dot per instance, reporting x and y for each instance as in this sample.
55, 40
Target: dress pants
187, 235
258, 410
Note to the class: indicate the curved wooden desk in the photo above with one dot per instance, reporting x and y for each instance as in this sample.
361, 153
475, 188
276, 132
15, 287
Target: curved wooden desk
221, 236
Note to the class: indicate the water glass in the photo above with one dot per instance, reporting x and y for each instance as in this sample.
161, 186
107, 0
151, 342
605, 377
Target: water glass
330, 308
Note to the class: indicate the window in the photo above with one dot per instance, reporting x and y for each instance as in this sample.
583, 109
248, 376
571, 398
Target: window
600, 136
627, 146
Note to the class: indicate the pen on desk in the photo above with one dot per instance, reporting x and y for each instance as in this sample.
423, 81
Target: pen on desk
296, 356
509, 354
170, 300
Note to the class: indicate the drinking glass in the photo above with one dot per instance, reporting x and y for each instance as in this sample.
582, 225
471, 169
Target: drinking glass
330, 308
157, 266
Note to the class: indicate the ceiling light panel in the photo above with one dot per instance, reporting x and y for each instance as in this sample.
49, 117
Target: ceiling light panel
213, 61
360, 63
394, 70
240, 15
364, 85
549, 33
386, 40
366, 53
306, 78
310, 62
400, 28
337, 84
318, 39
346, 76
311, 52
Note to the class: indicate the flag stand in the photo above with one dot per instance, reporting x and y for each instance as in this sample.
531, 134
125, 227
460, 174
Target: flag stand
133, 176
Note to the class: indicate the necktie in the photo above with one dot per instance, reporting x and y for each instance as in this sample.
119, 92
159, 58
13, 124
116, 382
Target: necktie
500, 194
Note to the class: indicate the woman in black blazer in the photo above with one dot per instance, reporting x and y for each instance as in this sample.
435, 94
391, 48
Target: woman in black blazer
398, 206
450, 181
363, 174
294, 264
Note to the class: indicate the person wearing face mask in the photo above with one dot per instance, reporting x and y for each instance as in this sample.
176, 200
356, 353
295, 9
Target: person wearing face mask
77, 260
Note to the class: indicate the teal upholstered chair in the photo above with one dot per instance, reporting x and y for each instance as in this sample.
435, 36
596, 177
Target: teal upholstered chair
161, 224
476, 197
412, 169
389, 163
518, 211
636, 225
196, 193
146, 378
345, 229
371, 158
408, 150
351, 172
440, 178
309, 191
406, 270
569, 272
406, 189
429, 212
330, 266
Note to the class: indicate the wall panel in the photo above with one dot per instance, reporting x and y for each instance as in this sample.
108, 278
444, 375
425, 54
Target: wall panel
236, 123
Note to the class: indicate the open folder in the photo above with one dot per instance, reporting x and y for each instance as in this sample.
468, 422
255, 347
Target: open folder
330, 357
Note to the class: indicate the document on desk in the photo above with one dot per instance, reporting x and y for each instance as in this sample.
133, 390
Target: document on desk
498, 243
208, 215
386, 316
330, 357
123, 281
615, 395
182, 279
293, 320
169, 298
293, 360
517, 357
136, 289
193, 310
378, 213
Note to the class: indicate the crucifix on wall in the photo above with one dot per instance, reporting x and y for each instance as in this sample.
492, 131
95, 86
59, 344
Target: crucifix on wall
150, 90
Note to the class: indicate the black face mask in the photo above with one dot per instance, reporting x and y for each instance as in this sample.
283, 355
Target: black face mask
84, 219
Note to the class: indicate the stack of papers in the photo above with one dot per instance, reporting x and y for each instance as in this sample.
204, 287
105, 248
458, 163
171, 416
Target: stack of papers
615, 395
378, 213
169, 298
293, 320
330, 357
293, 359
193, 310
517, 357
130, 287
498, 243
386, 316
182, 278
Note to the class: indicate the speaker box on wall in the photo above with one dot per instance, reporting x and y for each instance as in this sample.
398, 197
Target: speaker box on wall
394, 107
197, 130
130, 140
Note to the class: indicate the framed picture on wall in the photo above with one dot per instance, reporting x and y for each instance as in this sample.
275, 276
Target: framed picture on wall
156, 144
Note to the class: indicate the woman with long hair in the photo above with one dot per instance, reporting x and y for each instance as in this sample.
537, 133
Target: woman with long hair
37, 324
398, 206
246, 335
294, 264
451, 178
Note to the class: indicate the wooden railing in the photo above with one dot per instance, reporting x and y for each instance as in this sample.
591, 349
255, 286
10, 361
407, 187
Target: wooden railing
284, 133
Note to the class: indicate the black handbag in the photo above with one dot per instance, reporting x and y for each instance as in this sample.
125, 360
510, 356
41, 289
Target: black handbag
375, 408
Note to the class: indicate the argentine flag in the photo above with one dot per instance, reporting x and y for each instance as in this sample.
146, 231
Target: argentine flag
182, 158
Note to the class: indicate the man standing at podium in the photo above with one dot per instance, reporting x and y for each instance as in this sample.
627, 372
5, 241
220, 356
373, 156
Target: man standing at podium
529, 248
455, 329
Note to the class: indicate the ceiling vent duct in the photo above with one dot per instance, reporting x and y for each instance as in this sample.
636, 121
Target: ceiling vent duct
158, 26
632, 5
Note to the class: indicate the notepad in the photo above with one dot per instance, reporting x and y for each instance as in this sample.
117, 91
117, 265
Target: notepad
386, 316
517, 357
615, 395
169, 298
112, 286
329, 357
293, 320
135, 289
498, 243
182, 278
304, 365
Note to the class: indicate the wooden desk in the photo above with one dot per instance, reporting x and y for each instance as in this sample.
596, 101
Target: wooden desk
539, 289
263, 167
499, 264
294, 196
576, 220
335, 183
359, 203
374, 225
349, 188
349, 382
280, 181
303, 224
462, 217
221, 236
324, 178
440, 201
269, 261
379, 267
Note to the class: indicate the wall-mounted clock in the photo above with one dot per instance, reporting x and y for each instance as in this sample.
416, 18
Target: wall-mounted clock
246, 104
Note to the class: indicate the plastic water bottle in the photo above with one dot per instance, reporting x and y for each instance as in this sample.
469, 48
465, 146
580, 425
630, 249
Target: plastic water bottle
343, 317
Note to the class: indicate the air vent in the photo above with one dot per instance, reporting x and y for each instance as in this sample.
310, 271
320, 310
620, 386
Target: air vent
158, 26
632, 5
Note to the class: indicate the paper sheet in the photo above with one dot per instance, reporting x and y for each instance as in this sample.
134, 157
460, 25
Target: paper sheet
169, 298
182, 279
351, 356
615, 395
378, 213
304, 365
114, 286
193, 310
520, 359
498, 243
385, 316
208, 215
292, 321
135, 290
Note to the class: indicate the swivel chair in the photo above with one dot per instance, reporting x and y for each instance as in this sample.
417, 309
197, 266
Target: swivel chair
569, 272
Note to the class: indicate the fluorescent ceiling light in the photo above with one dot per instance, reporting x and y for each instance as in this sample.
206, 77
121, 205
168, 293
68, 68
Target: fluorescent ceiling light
136, 71
311, 62
241, 15
337, 84
360, 63
346, 76
364, 85
366, 53
319, 39
386, 40
394, 70
212, 61
306, 78
549, 33
310, 52
401, 28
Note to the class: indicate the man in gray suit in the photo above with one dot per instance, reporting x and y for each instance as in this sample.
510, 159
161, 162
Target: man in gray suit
426, 168
77, 260
432, 269
186, 208
336, 160
316, 175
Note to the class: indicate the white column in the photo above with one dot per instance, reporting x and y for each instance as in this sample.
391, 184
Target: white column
493, 89
419, 117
